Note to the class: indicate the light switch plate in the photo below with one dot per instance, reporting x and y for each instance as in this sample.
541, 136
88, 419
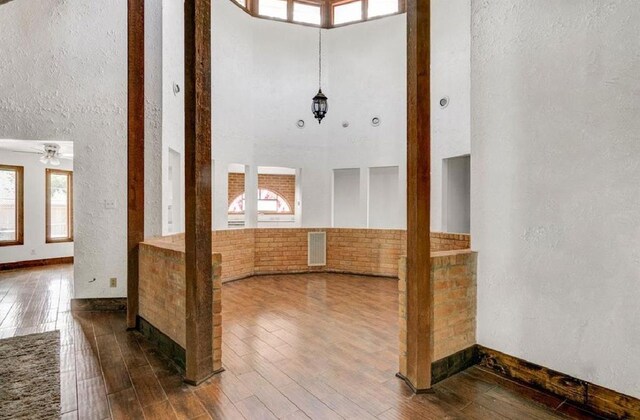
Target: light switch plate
113, 282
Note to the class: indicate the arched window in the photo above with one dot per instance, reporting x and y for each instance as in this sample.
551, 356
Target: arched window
269, 202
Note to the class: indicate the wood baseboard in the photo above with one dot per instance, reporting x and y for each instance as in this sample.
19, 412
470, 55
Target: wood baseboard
99, 305
35, 263
163, 342
455, 363
323, 271
597, 399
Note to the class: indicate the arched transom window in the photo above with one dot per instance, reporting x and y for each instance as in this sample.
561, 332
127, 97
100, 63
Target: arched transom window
269, 202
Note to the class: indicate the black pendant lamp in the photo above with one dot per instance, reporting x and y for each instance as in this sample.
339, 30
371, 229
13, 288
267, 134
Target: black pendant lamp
320, 104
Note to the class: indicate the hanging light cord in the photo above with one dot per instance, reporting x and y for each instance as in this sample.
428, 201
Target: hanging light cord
320, 59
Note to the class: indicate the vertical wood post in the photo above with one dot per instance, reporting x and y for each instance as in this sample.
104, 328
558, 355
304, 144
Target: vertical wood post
135, 151
199, 281
419, 287
326, 10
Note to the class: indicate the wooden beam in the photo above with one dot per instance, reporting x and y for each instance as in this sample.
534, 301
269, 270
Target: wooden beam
135, 151
326, 9
252, 7
290, 10
419, 287
199, 284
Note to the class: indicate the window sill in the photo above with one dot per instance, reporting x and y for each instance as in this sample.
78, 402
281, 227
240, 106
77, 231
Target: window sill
59, 241
13, 243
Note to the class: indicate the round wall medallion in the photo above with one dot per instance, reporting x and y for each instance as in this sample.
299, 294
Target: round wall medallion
345, 124
375, 121
444, 102
300, 124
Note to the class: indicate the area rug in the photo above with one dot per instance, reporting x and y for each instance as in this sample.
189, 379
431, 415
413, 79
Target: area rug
30, 376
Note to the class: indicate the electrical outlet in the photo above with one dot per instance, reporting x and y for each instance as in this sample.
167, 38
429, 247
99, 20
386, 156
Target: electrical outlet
114, 282
109, 204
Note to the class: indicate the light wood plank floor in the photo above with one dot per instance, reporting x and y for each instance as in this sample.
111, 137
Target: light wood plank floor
316, 346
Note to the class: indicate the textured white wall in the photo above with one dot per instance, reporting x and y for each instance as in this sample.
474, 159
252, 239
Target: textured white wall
368, 79
35, 247
64, 77
555, 192
172, 103
450, 76
153, 91
71, 85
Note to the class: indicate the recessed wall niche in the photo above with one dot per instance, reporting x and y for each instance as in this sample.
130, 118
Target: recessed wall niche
385, 210
346, 198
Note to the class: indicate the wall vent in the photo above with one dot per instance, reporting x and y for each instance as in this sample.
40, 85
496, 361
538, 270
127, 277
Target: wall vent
317, 249
235, 224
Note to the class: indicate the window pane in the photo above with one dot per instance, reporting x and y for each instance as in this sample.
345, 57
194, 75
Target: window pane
268, 202
273, 8
8, 203
306, 13
382, 7
59, 206
349, 12
237, 206
270, 206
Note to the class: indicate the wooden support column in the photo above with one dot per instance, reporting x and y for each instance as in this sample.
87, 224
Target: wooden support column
135, 151
327, 10
419, 328
199, 281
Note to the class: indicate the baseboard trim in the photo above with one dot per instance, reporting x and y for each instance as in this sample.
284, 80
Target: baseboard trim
413, 388
163, 343
455, 363
597, 399
196, 383
292, 273
17, 265
99, 305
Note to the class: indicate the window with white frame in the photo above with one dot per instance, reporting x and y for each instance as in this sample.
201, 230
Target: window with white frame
306, 13
382, 7
273, 8
347, 12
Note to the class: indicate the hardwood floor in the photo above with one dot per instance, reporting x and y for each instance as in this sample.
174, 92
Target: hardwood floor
294, 347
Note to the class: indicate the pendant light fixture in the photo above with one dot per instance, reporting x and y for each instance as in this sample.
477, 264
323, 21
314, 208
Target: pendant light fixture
320, 104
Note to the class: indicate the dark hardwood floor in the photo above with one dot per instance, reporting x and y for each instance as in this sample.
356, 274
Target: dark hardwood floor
294, 347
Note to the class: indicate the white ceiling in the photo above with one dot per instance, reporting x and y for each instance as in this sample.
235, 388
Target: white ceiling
36, 146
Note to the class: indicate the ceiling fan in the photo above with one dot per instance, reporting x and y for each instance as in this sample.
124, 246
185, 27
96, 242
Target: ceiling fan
50, 153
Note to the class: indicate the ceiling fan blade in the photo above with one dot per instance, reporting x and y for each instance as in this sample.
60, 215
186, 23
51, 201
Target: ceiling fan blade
29, 152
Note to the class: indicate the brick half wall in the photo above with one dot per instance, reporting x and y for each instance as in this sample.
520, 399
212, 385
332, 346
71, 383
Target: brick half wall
454, 279
256, 251
162, 292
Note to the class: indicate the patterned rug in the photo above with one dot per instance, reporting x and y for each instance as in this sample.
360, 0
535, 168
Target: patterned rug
30, 376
